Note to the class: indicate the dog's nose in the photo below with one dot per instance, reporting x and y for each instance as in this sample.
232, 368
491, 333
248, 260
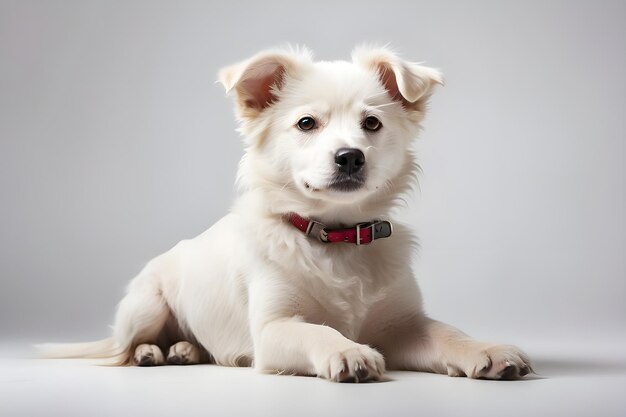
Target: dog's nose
349, 160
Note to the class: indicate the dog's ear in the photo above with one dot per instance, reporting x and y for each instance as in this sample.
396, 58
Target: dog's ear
407, 82
258, 80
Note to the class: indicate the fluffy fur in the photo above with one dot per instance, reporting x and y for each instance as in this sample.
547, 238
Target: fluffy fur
255, 291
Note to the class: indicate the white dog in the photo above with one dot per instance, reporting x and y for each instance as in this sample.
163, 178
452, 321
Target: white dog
305, 275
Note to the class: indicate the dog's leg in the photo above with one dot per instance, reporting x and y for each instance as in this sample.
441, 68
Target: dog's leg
412, 341
141, 317
463, 356
432, 346
183, 353
139, 321
293, 346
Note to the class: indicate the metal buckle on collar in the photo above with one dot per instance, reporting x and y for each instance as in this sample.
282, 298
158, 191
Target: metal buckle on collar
317, 229
380, 229
360, 226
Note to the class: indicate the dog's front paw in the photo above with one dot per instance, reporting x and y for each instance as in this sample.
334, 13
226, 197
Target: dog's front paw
359, 363
503, 362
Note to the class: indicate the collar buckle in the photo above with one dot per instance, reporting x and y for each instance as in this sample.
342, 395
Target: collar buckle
379, 229
317, 230
358, 232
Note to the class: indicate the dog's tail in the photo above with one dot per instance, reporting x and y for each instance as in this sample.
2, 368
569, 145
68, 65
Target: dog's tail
101, 349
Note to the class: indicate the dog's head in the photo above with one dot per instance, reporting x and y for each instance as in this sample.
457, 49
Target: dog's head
327, 135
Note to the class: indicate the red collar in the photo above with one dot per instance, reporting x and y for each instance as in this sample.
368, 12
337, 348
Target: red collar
360, 234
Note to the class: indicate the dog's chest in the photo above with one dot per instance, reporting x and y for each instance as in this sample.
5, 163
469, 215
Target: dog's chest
332, 284
339, 286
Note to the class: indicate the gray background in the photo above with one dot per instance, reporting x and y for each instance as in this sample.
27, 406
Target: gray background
115, 143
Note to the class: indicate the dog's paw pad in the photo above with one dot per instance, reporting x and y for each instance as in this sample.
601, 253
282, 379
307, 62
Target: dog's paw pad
148, 355
357, 364
183, 353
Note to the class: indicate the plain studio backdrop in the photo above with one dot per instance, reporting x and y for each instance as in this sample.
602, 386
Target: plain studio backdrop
116, 143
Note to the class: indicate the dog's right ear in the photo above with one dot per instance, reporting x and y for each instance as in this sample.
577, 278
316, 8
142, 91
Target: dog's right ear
258, 80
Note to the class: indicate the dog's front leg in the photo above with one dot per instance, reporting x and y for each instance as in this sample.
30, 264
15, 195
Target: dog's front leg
412, 341
423, 344
284, 342
291, 345
457, 354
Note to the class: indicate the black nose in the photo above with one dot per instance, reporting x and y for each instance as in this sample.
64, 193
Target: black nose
349, 160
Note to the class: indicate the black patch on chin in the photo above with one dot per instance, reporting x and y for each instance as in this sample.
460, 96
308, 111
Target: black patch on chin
346, 183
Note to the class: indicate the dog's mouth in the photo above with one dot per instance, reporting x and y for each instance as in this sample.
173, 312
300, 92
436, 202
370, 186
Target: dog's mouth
344, 182
347, 185
342, 185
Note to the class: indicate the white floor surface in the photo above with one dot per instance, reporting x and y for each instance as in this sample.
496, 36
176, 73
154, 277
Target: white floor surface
573, 380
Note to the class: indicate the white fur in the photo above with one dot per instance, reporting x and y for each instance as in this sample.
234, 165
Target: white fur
255, 290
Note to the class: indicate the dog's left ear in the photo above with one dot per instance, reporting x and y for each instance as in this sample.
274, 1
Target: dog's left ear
407, 82
257, 81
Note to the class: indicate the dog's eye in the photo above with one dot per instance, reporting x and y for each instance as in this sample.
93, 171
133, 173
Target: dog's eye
372, 124
306, 123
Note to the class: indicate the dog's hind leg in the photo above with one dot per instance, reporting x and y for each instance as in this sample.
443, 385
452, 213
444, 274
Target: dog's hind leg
141, 317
